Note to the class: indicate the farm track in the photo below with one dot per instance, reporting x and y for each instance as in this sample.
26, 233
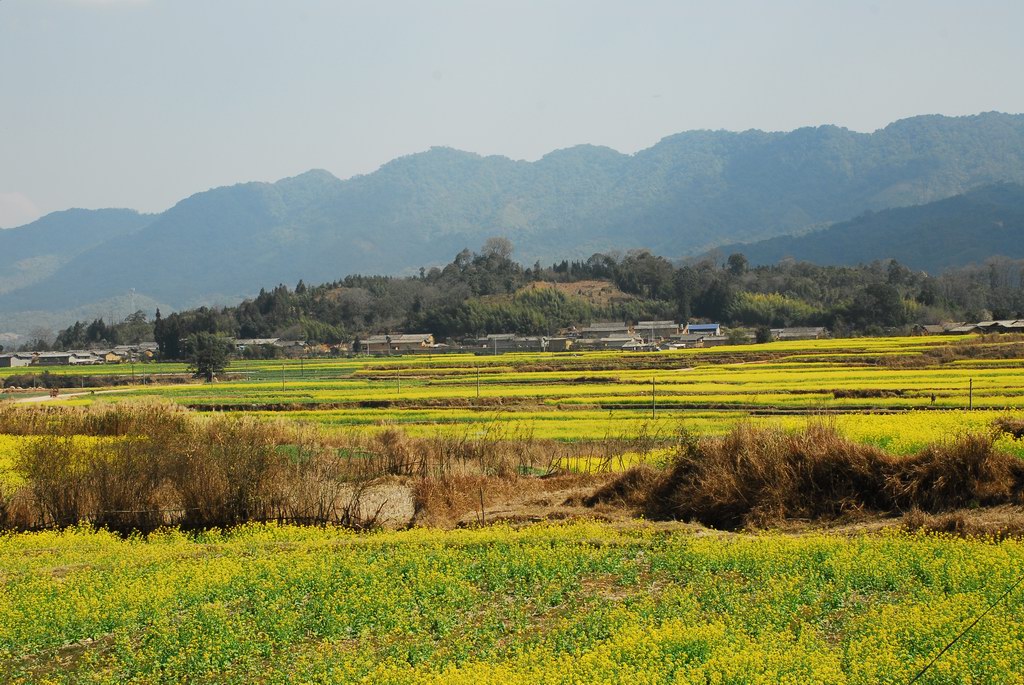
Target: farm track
490, 406
66, 396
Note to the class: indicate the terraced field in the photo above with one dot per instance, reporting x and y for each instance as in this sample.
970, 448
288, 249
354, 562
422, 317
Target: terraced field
899, 393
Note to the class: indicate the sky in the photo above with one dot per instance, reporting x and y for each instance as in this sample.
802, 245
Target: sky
141, 103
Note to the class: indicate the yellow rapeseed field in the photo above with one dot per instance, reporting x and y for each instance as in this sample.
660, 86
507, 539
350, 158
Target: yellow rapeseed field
581, 603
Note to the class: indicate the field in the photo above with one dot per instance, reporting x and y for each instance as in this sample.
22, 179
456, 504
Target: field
898, 393
582, 601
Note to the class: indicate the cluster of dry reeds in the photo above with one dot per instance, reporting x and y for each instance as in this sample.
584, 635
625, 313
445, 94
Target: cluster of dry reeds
757, 477
145, 465
138, 466
1010, 425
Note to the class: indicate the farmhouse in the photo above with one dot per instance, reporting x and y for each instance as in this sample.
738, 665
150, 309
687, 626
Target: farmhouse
80, 357
241, 344
147, 350
687, 340
930, 329
509, 342
712, 329
965, 329
639, 345
52, 359
137, 352
619, 342
657, 330
716, 340
604, 329
800, 333
1003, 326
559, 344
10, 361
398, 342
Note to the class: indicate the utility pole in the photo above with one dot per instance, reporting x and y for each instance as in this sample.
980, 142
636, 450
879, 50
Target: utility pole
478, 382
282, 375
654, 401
970, 395
399, 380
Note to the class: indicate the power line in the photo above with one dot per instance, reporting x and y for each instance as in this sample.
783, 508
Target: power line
966, 630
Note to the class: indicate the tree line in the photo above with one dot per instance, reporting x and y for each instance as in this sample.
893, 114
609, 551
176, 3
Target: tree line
487, 292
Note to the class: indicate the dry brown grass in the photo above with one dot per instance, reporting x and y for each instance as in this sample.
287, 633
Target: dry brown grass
1011, 425
158, 464
161, 465
630, 490
758, 477
444, 502
996, 523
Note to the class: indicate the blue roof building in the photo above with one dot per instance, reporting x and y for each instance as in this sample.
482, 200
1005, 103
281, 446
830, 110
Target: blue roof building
706, 328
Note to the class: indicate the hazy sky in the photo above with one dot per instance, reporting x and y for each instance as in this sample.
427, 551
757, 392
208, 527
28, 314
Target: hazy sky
139, 103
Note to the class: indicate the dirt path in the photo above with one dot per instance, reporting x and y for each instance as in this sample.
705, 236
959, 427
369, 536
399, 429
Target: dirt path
64, 396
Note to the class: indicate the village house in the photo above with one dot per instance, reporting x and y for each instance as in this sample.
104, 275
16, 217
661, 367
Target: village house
498, 343
241, 344
966, 329
657, 330
317, 349
16, 360
559, 344
639, 345
931, 329
51, 359
619, 342
716, 340
800, 333
136, 352
112, 356
604, 329
292, 348
712, 329
147, 350
685, 341
398, 342
1003, 326
85, 357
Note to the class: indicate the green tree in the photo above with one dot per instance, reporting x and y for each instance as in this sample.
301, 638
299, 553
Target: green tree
737, 264
207, 354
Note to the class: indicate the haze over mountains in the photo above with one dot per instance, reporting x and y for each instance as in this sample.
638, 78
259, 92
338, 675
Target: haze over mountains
982, 223
690, 192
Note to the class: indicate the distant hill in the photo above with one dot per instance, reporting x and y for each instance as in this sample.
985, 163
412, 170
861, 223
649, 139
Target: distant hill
32, 253
952, 232
689, 192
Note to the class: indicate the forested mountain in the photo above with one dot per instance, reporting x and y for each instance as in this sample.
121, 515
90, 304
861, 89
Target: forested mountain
687, 193
966, 228
34, 252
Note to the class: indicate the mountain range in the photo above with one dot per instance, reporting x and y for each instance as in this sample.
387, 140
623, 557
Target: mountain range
963, 229
688, 193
